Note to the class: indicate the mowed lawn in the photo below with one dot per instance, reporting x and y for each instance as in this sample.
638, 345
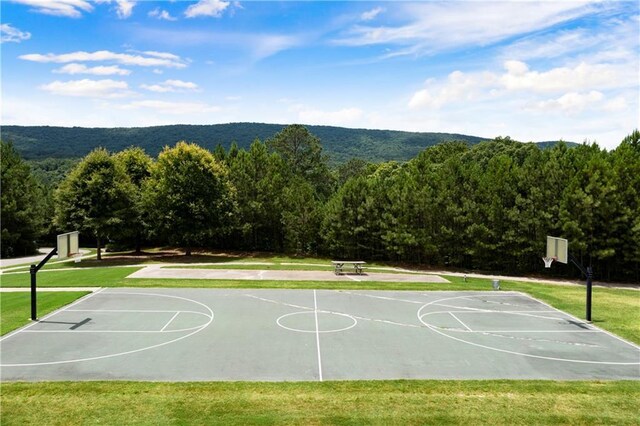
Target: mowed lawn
340, 403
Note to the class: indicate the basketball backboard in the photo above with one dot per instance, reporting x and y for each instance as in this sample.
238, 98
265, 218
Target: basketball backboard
68, 245
558, 249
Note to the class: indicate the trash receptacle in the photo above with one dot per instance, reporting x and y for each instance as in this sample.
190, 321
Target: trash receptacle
496, 284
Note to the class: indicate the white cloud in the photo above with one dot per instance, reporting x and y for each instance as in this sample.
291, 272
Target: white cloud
581, 76
437, 26
157, 71
213, 8
174, 108
163, 55
74, 68
89, 88
105, 55
371, 14
171, 86
12, 34
344, 116
619, 103
518, 77
162, 15
124, 8
67, 8
570, 103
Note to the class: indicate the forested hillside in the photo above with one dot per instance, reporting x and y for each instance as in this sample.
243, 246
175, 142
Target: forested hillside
340, 144
487, 206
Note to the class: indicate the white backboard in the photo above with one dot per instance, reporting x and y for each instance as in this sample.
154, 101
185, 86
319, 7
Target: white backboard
68, 245
558, 248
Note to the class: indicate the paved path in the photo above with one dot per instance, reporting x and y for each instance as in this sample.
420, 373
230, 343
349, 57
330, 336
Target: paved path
32, 259
156, 271
26, 289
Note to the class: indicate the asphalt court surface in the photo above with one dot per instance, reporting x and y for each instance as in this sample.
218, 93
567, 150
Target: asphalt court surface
277, 335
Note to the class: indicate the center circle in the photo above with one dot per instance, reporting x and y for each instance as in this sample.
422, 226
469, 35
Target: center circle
316, 322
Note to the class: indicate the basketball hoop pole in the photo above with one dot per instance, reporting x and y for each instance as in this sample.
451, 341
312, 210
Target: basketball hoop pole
34, 270
588, 272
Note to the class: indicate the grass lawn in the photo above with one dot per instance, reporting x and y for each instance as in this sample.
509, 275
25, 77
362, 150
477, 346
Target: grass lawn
343, 403
15, 308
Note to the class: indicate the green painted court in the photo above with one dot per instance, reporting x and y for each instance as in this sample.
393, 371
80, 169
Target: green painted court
311, 335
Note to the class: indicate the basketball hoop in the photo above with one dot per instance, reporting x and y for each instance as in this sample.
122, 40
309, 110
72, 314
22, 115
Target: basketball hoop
548, 261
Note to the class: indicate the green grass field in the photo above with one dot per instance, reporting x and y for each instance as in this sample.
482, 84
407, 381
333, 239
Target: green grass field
336, 403
350, 402
15, 308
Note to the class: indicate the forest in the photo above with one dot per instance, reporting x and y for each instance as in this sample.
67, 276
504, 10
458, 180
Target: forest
486, 206
339, 144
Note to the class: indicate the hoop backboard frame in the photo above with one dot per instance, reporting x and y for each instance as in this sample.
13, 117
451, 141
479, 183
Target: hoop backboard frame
68, 245
557, 249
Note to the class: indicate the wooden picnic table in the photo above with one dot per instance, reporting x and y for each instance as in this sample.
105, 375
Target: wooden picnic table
339, 266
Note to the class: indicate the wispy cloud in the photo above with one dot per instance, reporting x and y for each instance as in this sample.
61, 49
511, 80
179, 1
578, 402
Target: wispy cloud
123, 8
150, 60
371, 14
161, 14
211, 8
67, 8
341, 117
89, 88
435, 26
171, 86
99, 70
172, 108
12, 35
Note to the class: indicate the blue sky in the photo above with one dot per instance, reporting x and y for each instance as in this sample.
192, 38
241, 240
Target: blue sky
526, 69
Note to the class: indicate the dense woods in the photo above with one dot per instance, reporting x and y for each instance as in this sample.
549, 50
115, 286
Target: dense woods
487, 206
339, 144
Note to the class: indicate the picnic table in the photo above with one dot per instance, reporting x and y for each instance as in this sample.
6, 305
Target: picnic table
339, 266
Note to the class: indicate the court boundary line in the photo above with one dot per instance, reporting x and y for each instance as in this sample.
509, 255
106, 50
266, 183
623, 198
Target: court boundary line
633, 345
315, 311
50, 314
197, 330
436, 330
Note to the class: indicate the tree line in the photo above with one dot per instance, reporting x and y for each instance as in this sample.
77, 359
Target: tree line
488, 206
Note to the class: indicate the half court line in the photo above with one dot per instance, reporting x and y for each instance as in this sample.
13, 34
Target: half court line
315, 312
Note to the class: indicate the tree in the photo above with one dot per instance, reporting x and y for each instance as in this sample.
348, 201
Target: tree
95, 197
259, 179
23, 207
302, 152
137, 165
188, 197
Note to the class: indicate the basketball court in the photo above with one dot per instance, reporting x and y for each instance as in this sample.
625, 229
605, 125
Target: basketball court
280, 335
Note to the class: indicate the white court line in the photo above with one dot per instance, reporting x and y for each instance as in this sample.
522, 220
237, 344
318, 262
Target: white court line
277, 302
197, 329
458, 319
351, 278
633, 345
112, 331
492, 311
382, 297
315, 311
137, 311
172, 318
51, 314
435, 329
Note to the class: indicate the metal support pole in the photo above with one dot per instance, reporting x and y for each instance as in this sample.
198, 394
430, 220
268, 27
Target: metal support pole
589, 288
34, 305
34, 270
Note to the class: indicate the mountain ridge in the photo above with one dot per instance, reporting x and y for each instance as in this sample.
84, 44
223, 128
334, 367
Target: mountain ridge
339, 143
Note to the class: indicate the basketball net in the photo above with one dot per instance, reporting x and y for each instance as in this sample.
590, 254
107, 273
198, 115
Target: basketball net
548, 261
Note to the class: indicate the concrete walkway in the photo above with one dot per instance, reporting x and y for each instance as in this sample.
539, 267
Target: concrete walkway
41, 289
156, 271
